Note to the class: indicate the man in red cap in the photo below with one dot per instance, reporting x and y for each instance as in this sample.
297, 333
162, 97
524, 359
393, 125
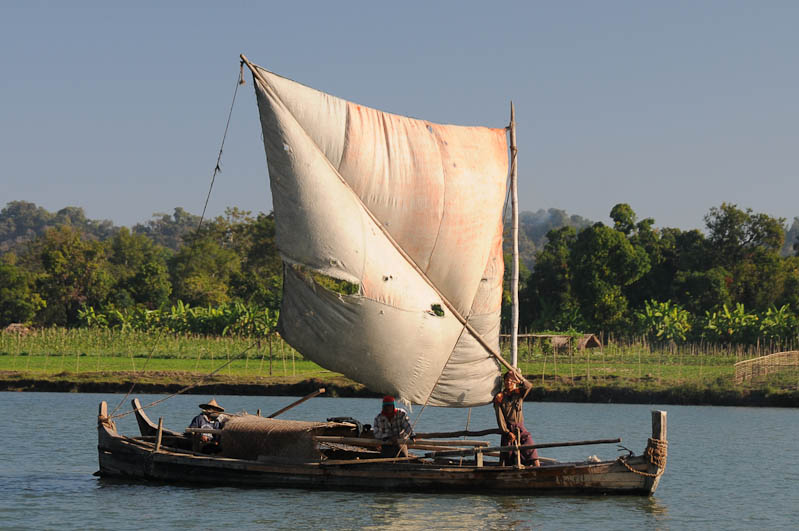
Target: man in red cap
393, 428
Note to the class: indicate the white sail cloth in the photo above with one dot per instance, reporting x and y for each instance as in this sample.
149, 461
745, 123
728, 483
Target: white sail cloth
342, 175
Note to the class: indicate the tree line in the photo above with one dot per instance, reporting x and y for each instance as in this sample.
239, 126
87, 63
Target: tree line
730, 282
60, 269
733, 283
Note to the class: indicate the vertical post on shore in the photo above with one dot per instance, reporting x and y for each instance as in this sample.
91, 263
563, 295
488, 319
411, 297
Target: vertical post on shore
514, 282
160, 434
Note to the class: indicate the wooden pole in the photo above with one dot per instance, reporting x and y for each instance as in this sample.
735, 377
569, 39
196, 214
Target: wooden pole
423, 444
334, 462
159, 434
514, 281
451, 307
297, 403
525, 447
462, 433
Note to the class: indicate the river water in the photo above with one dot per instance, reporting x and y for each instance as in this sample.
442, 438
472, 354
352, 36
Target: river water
728, 468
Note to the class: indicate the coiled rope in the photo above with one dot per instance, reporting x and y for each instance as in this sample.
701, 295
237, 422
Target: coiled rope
656, 453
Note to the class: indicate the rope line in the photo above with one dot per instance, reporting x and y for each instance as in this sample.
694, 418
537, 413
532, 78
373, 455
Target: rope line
132, 385
217, 169
192, 386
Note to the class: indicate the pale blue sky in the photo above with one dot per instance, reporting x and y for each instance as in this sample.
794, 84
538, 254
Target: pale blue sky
672, 107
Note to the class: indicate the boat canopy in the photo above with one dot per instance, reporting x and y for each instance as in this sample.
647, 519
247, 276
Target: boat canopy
379, 218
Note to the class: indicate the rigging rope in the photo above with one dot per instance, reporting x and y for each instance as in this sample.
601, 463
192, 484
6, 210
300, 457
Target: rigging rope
217, 169
184, 389
152, 350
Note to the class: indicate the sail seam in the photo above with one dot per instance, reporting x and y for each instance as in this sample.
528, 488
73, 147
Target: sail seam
443, 199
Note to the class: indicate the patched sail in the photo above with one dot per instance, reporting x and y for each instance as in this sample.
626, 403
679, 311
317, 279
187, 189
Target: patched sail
370, 209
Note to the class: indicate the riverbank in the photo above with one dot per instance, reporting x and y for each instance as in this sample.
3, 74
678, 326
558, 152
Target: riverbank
166, 382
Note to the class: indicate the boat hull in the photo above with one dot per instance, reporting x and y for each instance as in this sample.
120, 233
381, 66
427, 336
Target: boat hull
133, 459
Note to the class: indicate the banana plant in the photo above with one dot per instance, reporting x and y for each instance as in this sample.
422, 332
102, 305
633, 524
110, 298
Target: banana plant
664, 321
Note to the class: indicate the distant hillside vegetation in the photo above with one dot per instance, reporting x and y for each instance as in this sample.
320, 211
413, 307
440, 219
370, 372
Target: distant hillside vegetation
21, 222
533, 229
791, 246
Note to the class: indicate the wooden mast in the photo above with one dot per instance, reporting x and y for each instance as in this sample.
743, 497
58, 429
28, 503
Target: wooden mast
514, 281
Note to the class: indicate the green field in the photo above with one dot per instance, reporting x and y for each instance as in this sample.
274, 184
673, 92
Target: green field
53, 352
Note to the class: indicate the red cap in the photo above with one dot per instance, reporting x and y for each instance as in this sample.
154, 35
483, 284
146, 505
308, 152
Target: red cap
388, 400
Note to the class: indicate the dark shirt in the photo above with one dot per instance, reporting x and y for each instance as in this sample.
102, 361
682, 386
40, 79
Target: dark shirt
201, 421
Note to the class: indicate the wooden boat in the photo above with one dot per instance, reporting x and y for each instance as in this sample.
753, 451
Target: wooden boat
345, 462
390, 232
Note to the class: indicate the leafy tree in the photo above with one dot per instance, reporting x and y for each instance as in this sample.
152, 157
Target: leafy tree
74, 273
546, 301
656, 282
735, 233
790, 292
18, 302
259, 277
623, 218
603, 262
201, 272
139, 269
692, 251
748, 246
260, 280
703, 291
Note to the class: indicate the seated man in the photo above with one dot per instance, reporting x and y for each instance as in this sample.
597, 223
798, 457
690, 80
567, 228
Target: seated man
209, 418
393, 428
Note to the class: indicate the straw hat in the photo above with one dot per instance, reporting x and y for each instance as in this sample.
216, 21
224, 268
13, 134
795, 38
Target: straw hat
212, 405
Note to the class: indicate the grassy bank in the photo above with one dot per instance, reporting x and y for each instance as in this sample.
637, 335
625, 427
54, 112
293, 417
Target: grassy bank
101, 360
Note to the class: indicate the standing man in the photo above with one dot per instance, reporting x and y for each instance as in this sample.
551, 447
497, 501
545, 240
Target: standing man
393, 428
510, 418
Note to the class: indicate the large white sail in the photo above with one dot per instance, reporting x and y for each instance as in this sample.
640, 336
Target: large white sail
350, 184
